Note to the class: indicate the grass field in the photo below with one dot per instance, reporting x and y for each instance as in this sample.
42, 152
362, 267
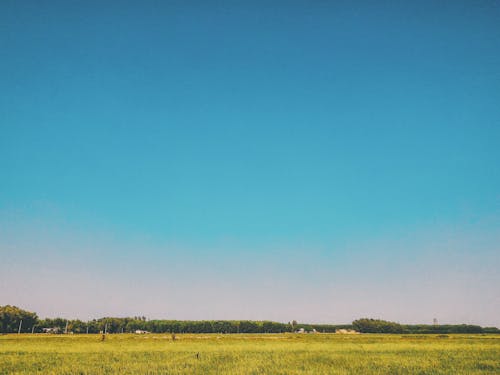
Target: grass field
250, 354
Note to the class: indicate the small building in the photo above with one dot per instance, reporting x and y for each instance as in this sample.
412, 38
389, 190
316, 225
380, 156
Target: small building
51, 330
140, 332
303, 330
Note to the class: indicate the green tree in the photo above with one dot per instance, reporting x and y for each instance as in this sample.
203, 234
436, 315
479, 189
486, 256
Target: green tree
377, 326
11, 316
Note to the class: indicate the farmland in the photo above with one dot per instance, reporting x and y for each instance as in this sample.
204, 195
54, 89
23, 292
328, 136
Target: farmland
249, 354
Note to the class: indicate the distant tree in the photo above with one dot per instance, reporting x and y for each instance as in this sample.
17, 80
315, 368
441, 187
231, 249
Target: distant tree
247, 326
223, 326
376, 326
11, 316
77, 326
491, 330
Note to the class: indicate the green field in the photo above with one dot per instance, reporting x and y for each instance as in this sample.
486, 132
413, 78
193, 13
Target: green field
250, 354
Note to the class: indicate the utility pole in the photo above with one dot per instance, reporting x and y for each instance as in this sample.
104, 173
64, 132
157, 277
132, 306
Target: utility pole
87, 329
20, 325
33, 329
105, 328
66, 328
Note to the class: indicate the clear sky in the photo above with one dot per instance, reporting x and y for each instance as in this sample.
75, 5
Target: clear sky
309, 160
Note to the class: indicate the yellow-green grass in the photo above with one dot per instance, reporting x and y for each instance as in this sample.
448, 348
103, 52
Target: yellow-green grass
250, 354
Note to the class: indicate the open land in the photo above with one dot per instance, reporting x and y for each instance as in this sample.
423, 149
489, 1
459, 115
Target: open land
249, 354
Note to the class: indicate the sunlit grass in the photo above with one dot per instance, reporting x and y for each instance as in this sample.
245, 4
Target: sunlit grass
250, 354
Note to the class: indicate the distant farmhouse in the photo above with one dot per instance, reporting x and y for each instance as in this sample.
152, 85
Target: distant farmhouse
51, 330
302, 330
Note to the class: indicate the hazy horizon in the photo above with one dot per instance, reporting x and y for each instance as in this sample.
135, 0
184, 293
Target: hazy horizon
318, 162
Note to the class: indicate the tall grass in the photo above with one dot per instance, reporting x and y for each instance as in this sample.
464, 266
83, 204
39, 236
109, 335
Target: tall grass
250, 354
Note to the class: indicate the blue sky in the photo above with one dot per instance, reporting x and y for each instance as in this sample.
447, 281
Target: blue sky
261, 160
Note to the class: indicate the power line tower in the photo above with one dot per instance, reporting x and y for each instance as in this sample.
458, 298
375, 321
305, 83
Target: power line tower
434, 322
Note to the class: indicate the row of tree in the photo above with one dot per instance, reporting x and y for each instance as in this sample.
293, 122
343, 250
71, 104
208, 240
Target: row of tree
12, 318
122, 325
382, 326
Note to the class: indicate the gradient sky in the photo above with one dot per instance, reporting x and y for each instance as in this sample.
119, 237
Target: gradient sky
317, 161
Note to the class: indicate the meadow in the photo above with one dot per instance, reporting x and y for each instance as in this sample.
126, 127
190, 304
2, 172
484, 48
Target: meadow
249, 354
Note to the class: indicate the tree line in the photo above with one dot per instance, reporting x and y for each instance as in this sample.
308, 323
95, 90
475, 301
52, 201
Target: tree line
382, 326
13, 319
